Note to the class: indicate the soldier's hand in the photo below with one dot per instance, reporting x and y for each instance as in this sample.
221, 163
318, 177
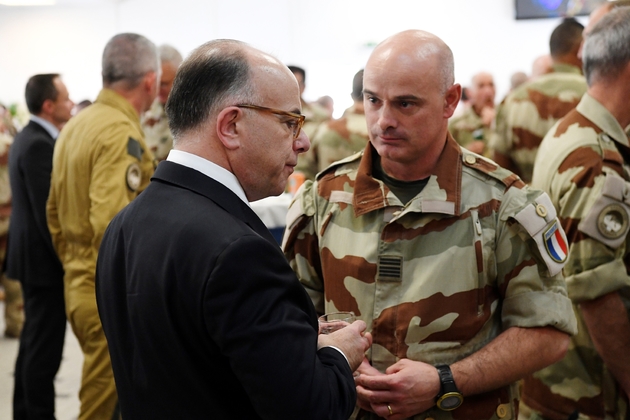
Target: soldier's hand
352, 340
408, 388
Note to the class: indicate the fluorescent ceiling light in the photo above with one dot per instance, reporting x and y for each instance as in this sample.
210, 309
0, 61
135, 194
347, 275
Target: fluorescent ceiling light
27, 2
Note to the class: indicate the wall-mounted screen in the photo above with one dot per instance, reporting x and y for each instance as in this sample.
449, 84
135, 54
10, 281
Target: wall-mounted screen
536, 9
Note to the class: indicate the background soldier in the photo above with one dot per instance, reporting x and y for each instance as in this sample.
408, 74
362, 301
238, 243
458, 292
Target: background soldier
526, 114
155, 122
100, 164
584, 164
337, 139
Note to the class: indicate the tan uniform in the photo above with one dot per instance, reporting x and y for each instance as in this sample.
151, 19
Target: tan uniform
333, 141
157, 135
581, 164
100, 164
437, 278
530, 110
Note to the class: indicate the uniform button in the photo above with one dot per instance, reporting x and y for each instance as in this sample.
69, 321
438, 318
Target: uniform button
502, 411
541, 210
470, 159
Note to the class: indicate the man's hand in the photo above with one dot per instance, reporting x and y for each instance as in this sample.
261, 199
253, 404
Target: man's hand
408, 388
352, 340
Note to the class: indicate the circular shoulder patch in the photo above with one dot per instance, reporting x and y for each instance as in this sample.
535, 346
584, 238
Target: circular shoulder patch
134, 176
612, 221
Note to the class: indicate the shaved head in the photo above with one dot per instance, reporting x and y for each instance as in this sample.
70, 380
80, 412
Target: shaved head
419, 46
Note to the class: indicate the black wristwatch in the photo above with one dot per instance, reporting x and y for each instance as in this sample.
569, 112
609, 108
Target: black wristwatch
449, 397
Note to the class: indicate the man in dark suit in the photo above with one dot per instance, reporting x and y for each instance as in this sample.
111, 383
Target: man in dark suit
30, 254
203, 316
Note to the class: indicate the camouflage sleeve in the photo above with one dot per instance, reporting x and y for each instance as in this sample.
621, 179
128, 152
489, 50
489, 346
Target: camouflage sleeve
594, 207
308, 162
501, 139
462, 137
300, 243
528, 265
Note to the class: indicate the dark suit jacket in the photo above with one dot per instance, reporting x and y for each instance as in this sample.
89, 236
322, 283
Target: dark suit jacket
31, 257
204, 317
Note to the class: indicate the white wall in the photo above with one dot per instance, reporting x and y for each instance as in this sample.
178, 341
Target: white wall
330, 38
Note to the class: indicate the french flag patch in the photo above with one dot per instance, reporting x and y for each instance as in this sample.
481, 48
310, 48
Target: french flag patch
556, 243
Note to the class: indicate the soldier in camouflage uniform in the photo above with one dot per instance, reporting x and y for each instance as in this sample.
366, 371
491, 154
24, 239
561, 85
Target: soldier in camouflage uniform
315, 114
337, 139
13, 300
584, 164
526, 114
155, 122
472, 129
440, 251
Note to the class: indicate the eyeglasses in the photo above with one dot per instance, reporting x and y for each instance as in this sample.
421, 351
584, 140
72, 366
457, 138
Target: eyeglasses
295, 124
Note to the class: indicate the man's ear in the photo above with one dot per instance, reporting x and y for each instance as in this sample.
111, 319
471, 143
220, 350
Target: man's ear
151, 82
48, 107
229, 122
451, 99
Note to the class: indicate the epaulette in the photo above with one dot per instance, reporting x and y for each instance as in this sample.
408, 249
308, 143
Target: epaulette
335, 165
491, 169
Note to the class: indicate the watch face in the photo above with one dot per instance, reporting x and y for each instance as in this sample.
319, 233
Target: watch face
451, 402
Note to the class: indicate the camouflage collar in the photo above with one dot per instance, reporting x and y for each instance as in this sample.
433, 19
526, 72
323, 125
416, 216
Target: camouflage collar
566, 68
441, 195
598, 114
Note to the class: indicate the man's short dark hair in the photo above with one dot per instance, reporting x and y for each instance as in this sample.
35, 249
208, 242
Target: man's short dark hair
566, 38
39, 88
298, 70
357, 86
215, 72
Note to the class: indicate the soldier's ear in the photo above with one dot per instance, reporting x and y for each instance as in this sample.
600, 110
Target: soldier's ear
451, 99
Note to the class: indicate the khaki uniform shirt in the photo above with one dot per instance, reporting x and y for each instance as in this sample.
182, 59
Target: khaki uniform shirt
438, 278
100, 164
157, 135
527, 113
468, 127
581, 164
333, 141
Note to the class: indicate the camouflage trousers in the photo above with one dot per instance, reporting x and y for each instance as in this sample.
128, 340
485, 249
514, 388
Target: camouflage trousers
13, 307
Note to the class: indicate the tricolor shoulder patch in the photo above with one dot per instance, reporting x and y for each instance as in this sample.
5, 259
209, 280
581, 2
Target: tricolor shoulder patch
556, 243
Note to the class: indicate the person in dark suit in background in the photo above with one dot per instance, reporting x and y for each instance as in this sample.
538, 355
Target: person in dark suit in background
203, 316
30, 254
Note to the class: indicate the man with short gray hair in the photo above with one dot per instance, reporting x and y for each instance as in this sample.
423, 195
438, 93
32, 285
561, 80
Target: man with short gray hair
155, 122
583, 164
100, 164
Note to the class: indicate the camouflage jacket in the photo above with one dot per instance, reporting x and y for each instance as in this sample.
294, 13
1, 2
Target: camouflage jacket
5, 189
435, 279
581, 165
527, 113
333, 141
468, 127
157, 135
